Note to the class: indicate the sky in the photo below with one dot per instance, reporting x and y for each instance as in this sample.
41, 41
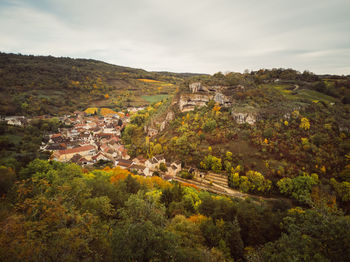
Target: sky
205, 36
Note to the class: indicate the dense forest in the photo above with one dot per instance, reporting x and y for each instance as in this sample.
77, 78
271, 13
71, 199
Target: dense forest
61, 212
280, 136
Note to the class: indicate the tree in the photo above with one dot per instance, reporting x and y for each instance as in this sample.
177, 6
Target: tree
342, 189
162, 167
140, 236
157, 149
317, 234
7, 179
299, 187
304, 123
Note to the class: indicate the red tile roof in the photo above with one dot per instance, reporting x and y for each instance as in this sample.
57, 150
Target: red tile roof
76, 149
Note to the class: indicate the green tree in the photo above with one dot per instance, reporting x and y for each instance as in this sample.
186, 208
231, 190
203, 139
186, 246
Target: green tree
299, 187
317, 234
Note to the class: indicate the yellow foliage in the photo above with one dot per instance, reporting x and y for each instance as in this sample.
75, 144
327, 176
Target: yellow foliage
88, 175
323, 169
107, 111
75, 83
295, 114
297, 210
148, 80
266, 141
267, 164
304, 124
328, 126
304, 140
286, 123
91, 110
158, 104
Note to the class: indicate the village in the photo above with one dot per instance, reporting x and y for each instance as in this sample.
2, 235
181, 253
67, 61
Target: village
90, 139
94, 140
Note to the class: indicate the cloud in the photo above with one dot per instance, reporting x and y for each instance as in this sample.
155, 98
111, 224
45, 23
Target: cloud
193, 36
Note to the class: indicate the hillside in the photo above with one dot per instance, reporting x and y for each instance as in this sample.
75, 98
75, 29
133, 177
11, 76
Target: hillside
37, 85
266, 131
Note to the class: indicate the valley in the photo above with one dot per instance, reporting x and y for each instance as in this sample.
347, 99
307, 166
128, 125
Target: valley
110, 163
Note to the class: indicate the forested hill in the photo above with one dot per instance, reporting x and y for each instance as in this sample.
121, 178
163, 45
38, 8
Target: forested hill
36, 85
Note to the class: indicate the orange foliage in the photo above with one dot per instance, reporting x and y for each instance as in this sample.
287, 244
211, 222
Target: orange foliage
106, 96
197, 219
216, 107
154, 181
190, 185
157, 181
119, 174
107, 168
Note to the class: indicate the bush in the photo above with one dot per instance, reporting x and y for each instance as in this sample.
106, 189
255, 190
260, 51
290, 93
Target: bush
268, 132
209, 125
186, 175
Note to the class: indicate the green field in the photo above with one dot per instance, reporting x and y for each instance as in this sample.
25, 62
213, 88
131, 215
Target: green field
154, 98
311, 95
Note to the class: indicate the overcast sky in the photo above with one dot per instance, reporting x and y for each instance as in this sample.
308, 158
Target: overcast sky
204, 36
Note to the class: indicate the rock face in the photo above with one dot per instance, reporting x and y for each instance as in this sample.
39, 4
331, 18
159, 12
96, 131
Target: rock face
245, 115
188, 102
170, 116
222, 99
244, 118
201, 94
159, 125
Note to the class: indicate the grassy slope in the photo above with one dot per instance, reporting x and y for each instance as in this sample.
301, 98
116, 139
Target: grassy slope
35, 85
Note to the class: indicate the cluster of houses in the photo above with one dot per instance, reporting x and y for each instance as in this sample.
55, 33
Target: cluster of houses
151, 167
88, 139
92, 138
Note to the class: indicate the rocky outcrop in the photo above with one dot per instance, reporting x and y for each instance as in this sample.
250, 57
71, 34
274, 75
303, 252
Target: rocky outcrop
244, 118
170, 116
222, 100
199, 87
196, 87
201, 94
245, 115
188, 102
159, 124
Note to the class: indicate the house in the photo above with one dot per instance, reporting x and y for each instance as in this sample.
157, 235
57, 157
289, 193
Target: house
154, 162
100, 156
139, 160
16, 120
173, 169
65, 155
123, 163
76, 158
138, 169
83, 161
57, 138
